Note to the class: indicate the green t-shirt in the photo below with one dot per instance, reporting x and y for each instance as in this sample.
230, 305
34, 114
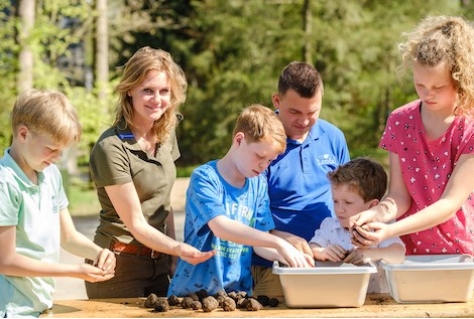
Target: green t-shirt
34, 211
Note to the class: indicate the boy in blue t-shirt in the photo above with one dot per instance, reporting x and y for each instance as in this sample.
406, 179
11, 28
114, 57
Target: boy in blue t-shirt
34, 219
227, 210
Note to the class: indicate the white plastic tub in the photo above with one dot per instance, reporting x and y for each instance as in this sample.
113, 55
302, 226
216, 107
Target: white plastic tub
431, 279
328, 285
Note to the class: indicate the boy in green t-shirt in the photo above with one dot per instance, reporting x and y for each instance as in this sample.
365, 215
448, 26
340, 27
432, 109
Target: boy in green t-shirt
34, 218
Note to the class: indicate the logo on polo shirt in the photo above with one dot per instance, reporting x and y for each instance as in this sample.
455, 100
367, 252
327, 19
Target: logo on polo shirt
327, 159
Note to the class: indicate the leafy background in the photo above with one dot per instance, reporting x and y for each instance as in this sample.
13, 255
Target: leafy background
232, 52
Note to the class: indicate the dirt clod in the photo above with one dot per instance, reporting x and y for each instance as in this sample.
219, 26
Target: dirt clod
263, 300
150, 301
254, 305
209, 304
229, 304
161, 305
273, 302
173, 300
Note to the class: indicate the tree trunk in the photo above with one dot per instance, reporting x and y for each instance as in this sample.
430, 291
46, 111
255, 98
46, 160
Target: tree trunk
307, 26
102, 58
26, 13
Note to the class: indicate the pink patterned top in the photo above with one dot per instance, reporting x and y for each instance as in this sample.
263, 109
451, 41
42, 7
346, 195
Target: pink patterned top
426, 168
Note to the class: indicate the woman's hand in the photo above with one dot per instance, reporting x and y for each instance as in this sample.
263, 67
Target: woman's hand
193, 256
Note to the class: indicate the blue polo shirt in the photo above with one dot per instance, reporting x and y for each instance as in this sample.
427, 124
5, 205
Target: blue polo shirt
299, 190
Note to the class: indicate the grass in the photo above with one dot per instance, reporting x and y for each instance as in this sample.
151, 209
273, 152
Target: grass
83, 200
184, 171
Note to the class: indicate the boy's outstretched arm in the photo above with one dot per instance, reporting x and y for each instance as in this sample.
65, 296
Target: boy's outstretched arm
14, 264
78, 244
270, 254
299, 242
231, 230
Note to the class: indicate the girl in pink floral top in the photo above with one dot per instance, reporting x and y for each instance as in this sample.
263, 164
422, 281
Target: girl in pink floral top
431, 148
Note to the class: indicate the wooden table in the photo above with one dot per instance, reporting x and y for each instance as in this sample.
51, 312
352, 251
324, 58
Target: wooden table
376, 305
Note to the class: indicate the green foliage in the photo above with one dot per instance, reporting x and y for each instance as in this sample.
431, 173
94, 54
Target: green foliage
50, 41
8, 62
357, 56
238, 48
232, 53
185, 171
94, 120
230, 63
83, 200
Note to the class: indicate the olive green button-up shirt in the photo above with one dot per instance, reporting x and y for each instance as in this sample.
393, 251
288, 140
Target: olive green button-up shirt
117, 159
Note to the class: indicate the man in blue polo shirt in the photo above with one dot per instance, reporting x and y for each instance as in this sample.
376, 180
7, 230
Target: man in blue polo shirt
300, 192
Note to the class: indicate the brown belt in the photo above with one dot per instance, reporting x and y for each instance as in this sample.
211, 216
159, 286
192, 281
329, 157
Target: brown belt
138, 250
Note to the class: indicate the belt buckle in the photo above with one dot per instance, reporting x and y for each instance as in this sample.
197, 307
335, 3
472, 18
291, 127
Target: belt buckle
154, 254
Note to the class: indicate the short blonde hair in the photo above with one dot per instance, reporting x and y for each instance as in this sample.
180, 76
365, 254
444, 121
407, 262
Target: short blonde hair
260, 124
134, 72
47, 112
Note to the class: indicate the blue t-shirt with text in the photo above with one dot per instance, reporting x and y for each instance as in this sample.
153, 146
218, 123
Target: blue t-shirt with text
207, 197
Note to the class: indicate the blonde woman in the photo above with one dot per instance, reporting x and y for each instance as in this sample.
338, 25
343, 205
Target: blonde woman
132, 165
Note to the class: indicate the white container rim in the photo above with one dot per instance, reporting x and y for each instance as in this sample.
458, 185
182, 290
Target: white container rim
364, 269
432, 262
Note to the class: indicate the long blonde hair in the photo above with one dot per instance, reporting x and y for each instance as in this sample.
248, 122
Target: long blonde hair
134, 72
449, 40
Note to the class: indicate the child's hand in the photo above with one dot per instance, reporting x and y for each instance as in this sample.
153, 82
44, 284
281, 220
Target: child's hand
334, 253
193, 256
360, 220
370, 234
300, 243
93, 274
293, 257
356, 257
106, 261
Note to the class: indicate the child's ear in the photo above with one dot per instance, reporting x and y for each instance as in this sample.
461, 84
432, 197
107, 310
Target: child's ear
22, 132
373, 202
239, 137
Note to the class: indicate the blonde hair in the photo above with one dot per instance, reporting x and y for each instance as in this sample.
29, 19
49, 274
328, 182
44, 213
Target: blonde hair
260, 124
363, 176
448, 40
134, 72
47, 112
